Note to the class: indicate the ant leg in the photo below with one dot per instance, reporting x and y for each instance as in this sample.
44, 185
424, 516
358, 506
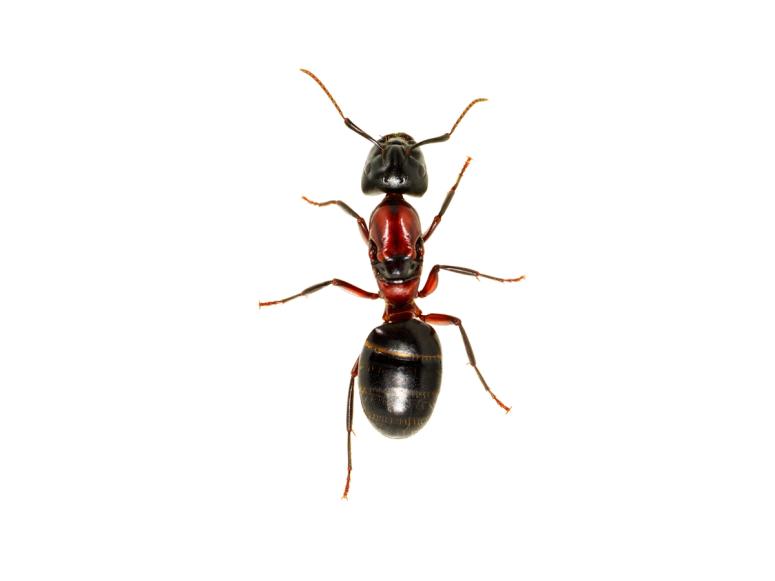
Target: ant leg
446, 203
350, 398
433, 277
361, 222
436, 319
316, 287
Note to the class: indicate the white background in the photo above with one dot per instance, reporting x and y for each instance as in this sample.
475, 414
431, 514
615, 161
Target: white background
155, 425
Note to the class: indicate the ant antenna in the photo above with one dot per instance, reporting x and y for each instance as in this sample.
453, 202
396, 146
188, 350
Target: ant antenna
446, 136
350, 124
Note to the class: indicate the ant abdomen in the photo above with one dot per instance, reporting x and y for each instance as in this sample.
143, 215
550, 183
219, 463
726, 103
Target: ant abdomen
400, 376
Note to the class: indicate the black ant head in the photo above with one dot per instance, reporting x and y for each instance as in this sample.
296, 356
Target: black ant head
395, 166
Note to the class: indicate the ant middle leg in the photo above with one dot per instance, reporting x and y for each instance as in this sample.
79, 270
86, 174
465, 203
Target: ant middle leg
438, 319
433, 277
316, 287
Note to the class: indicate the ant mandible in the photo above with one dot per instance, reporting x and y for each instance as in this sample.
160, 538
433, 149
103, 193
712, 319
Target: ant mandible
399, 368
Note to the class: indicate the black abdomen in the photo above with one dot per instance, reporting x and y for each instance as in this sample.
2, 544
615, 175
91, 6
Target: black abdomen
399, 376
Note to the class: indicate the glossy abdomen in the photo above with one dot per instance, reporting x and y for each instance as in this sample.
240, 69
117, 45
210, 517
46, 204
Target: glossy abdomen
399, 374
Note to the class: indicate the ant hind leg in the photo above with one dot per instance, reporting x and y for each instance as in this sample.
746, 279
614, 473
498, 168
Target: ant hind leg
350, 399
438, 319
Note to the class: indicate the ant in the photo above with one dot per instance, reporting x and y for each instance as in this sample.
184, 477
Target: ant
399, 368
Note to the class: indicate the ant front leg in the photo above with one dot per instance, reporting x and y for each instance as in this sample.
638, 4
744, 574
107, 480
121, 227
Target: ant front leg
361, 222
446, 203
437, 319
359, 292
433, 277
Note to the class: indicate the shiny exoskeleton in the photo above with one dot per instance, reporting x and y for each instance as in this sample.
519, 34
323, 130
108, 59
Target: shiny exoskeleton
400, 376
399, 368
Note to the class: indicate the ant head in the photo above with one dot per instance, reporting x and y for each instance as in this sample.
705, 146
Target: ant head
395, 166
